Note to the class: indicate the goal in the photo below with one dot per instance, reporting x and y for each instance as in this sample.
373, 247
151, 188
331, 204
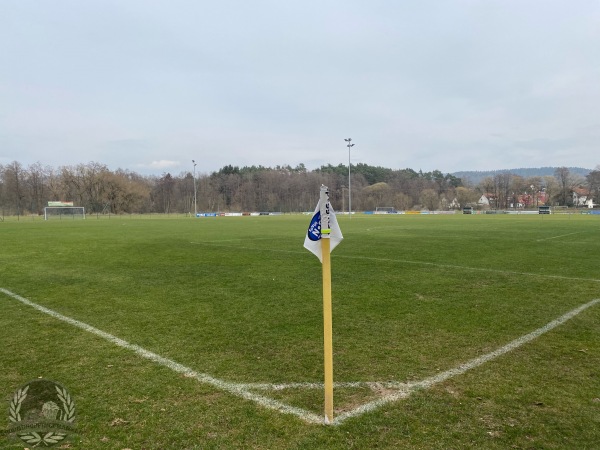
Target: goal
64, 212
385, 210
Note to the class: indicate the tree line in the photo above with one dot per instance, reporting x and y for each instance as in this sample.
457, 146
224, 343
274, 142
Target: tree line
26, 190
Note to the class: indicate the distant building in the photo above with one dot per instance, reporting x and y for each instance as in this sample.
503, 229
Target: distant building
483, 201
454, 204
581, 199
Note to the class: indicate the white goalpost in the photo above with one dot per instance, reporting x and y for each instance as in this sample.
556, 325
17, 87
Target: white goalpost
66, 212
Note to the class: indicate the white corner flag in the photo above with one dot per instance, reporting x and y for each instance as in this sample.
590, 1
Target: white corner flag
313, 236
322, 236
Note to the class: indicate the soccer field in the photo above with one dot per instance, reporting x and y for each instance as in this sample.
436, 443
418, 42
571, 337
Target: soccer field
464, 331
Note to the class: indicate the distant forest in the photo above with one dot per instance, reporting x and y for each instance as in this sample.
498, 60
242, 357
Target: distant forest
26, 190
475, 177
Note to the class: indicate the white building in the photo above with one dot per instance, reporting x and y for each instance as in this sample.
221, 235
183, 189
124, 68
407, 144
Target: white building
582, 200
483, 201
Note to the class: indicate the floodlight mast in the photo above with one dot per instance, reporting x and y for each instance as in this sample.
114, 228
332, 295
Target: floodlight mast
195, 208
349, 145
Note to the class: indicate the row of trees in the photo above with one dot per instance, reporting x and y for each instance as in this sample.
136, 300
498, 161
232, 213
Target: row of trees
506, 190
26, 190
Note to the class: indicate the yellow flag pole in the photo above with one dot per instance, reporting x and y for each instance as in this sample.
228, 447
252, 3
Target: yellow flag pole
327, 309
327, 331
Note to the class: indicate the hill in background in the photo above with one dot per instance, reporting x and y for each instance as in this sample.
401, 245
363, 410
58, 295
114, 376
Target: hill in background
476, 176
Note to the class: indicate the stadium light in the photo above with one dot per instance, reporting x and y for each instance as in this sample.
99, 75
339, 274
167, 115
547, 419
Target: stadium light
350, 145
195, 208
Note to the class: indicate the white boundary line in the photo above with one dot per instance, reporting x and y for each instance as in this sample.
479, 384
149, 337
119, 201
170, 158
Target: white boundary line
233, 388
243, 389
479, 269
459, 370
407, 261
556, 237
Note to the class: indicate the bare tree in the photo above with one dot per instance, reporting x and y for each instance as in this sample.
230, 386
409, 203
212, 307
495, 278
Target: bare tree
487, 188
563, 176
464, 196
593, 184
504, 194
72, 184
94, 180
163, 193
282, 188
35, 178
430, 199
402, 202
517, 188
550, 186
14, 186
534, 187
378, 194
2, 190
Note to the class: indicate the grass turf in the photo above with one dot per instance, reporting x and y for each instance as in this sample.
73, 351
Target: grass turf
239, 299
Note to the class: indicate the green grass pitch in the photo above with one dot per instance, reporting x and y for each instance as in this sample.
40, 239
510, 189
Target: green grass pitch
239, 299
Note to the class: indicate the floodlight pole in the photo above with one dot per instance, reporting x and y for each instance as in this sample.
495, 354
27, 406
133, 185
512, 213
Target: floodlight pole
349, 145
195, 208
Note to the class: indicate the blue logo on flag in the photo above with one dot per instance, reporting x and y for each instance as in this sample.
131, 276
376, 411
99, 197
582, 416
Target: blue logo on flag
314, 229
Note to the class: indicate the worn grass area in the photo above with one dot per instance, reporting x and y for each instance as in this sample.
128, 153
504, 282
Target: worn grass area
240, 299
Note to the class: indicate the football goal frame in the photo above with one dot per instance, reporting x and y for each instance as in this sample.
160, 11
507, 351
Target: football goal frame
68, 212
385, 210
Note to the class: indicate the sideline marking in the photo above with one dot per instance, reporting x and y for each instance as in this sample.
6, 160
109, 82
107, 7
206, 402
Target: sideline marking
556, 237
459, 370
233, 388
407, 261
479, 269
242, 389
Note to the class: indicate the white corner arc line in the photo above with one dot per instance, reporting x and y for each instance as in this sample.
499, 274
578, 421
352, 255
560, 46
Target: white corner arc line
233, 388
242, 389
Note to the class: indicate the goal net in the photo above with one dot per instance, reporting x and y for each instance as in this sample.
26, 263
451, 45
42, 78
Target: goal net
64, 212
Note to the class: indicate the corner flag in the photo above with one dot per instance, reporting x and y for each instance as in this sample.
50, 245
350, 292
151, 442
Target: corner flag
316, 229
323, 235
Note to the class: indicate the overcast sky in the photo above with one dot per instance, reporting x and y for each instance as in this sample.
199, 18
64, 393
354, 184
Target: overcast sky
449, 85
